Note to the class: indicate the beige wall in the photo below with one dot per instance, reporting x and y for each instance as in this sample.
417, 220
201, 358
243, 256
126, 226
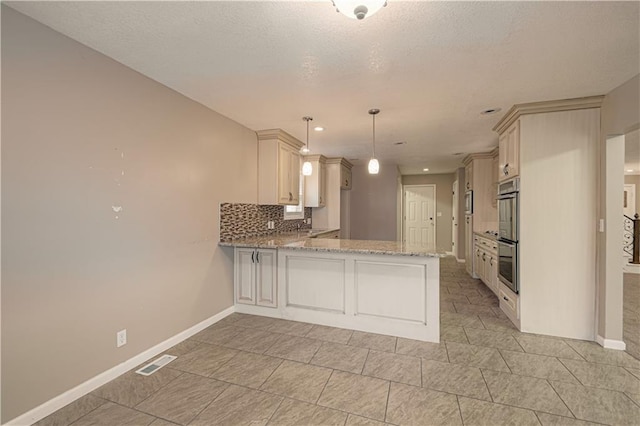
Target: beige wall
620, 114
634, 180
444, 204
373, 203
83, 134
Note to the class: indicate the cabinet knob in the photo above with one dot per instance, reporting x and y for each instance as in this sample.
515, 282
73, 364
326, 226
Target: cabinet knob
505, 298
483, 257
253, 260
505, 169
290, 196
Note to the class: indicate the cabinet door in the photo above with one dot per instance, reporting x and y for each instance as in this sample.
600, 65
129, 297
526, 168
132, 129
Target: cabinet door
503, 142
479, 265
468, 249
468, 177
513, 150
345, 178
245, 276
294, 177
266, 278
285, 196
322, 178
493, 273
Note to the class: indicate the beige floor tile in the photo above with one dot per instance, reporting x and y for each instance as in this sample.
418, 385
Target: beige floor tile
298, 381
294, 348
239, 406
634, 371
635, 397
72, 412
593, 352
454, 378
247, 369
447, 297
294, 413
253, 340
365, 396
376, 342
493, 339
499, 324
461, 320
427, 350
409, 405
162, 422
524, 392
218, 334
481, 413
598, 405
293, 328
603, 376
466, 308
182, 399
111, 414
354, 420
394, 367
476, 356
552, 420
204, 360
447, 307
543, 367
547, 346
130, 389
330, 334
254, 321
452, 333
341, 357
485, 300
183, 348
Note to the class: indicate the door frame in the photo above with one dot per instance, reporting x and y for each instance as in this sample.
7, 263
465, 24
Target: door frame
435, 210
454, 219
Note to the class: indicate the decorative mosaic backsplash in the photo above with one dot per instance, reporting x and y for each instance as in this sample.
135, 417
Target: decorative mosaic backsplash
239, 220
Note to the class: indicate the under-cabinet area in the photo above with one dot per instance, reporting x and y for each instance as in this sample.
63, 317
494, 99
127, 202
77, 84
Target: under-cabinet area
373, 286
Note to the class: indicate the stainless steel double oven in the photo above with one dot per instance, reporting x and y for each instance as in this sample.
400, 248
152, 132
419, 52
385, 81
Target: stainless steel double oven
508, 230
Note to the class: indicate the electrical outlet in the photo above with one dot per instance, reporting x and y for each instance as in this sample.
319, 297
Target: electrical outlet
121, 338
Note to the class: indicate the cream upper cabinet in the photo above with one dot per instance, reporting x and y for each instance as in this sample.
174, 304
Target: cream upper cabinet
315, 186
509, 152
345, 177
278, 168
468, 177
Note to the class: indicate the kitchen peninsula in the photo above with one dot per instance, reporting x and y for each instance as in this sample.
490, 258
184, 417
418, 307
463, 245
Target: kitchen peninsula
375, 286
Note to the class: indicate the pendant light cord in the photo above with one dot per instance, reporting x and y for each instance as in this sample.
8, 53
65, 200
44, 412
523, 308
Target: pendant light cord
374, 136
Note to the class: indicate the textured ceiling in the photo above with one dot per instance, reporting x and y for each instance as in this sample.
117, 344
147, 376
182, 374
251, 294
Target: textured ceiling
431, 67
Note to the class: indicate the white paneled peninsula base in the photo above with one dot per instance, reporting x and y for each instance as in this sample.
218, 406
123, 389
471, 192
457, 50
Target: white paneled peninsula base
373, 286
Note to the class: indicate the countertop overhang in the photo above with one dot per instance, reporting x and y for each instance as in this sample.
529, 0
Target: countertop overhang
302, 241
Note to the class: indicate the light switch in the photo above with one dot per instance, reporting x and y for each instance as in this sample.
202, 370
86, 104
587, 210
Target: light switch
439, 214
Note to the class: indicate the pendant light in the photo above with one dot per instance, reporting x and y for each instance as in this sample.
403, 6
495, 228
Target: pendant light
358, 9
307, 168
374, 166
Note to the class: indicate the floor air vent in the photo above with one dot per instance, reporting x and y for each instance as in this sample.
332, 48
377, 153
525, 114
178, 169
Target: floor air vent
156, 365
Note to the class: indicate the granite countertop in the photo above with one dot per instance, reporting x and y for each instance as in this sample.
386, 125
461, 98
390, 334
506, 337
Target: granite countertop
487, 236
301, 241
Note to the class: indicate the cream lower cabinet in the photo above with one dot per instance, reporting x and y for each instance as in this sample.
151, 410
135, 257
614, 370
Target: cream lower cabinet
486, 262
255, 276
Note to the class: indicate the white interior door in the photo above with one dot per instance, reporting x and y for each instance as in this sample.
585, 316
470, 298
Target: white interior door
419, 217
454, 220
629, 199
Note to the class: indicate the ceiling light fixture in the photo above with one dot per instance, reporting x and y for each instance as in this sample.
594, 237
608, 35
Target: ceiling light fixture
374, 166
425, 170
318, 128
307, 168
490, 111
358, 9
629, 170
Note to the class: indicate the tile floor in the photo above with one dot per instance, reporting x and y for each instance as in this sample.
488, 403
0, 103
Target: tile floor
631, 313
254, 370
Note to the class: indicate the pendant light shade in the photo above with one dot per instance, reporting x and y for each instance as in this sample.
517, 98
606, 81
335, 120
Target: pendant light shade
358, 9
374, 165
307, 168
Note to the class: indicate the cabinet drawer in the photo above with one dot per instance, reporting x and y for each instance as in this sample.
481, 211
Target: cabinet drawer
509, 303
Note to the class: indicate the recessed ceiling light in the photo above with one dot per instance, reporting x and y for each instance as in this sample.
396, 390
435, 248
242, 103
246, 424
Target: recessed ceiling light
425, 170
305, 150
629, 170
491, 111
318, 128
400, 143
458, 153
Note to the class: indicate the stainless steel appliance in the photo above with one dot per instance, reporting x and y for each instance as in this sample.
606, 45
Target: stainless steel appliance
508, 233
468, 202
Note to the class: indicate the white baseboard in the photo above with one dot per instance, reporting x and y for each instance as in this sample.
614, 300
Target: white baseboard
460, 260
448, 253
56, 403
610, 343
